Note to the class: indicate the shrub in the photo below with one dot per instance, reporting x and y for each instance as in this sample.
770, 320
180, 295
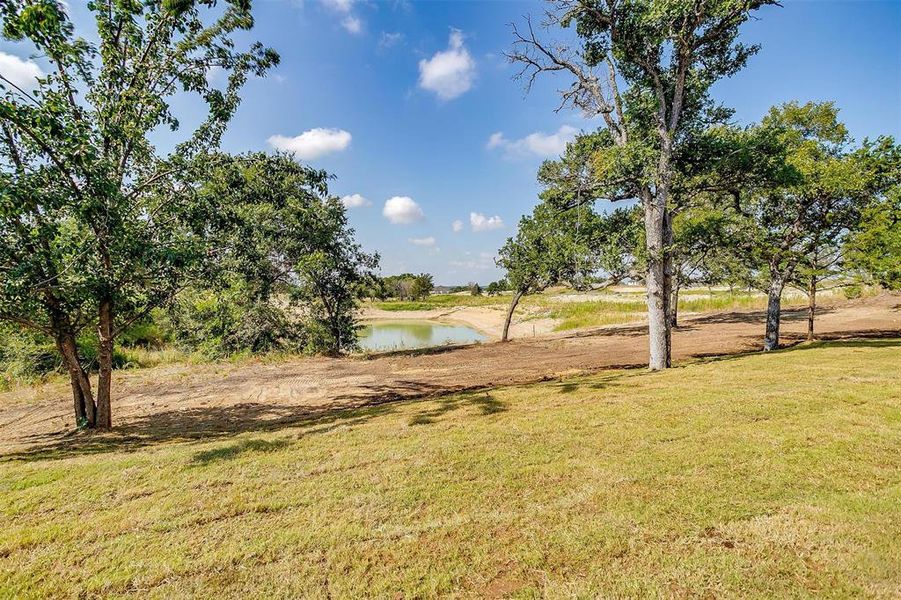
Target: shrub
853, 291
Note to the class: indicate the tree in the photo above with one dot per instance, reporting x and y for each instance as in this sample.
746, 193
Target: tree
276, 229
90, 224
423, 284
496, 287
795, 219
873, 249
668, 53
407, 286
545, 251
822, 263
698, 236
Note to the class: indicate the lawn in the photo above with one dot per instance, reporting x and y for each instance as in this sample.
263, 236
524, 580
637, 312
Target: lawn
766, 475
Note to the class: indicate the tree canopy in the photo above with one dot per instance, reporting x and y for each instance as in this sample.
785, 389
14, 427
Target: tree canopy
90, 206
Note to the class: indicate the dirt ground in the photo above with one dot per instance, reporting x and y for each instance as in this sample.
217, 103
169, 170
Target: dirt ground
191, 401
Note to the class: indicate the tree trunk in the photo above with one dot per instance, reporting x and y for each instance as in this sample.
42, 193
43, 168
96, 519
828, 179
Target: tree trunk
105, 360
668, 272
83, 397
657, 284
516, 298
674, 304
773, 308
811, 305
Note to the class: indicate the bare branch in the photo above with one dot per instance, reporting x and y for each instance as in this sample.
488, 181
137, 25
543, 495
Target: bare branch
586, 92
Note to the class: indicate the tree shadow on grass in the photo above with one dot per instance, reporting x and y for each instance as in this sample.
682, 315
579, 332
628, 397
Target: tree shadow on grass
233, 451
786, 315
873, 338
209, 423
485, 402
597, 381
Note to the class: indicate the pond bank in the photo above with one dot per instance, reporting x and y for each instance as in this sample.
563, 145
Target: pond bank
487, 320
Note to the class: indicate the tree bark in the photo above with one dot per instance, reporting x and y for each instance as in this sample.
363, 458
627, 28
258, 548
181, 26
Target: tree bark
773, 309
657, 283
811, 305
105, 360
674, 304
668, 276
83, 397
516, 298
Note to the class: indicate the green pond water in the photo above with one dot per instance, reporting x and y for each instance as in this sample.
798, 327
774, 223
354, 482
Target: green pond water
408, 334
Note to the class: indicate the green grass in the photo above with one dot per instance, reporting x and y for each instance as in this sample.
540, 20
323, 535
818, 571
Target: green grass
768, 475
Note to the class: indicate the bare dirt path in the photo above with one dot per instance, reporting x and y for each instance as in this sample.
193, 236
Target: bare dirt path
189, 402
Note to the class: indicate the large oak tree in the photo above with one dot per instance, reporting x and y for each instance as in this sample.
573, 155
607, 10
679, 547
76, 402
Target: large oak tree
646, 68
90, 231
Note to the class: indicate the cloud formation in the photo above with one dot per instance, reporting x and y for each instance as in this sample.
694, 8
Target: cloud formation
402, 210
313, 143
342, 6
390, 39
545, 145
352, 24
480, 222
22, 73
355, 201
457, 226
426, 241
449, 73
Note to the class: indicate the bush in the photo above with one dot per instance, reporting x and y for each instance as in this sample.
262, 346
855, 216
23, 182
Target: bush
217, 325
25, 357
853, 291
150, 333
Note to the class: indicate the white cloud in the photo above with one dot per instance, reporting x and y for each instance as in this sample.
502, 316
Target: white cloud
448, 73
426, 241
496, 139
22, 73
387, 40
402, 210
354, 201
313, 143
545, 145
457, 226
480, 222
341, 6
352, 24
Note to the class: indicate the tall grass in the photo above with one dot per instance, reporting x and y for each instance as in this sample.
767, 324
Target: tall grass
597, 313
440, 301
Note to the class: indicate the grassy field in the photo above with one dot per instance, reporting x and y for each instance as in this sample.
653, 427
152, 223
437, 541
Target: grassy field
759, 476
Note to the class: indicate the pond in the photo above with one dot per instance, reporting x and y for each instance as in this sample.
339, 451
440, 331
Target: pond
408, 334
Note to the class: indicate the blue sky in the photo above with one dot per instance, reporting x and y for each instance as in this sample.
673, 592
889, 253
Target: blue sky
401, 100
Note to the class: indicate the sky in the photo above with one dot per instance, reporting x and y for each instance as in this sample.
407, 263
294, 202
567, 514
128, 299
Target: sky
433, 144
